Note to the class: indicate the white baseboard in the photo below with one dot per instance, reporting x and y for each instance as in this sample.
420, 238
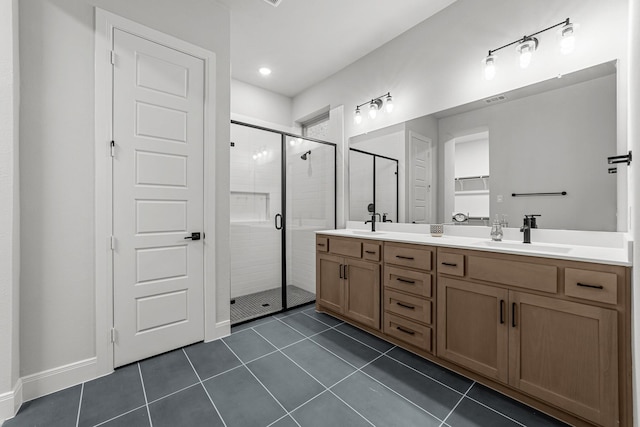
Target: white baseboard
10, 402
56, 379
222, 329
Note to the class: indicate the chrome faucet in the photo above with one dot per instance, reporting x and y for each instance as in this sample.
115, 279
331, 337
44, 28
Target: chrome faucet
529, 223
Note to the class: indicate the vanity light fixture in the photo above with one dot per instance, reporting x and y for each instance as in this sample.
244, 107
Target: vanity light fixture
489, 66
375, 105
525, 49
528, 44
358, 116
567, 38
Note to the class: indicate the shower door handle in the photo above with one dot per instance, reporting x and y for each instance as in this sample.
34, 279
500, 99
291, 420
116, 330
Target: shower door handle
278, 226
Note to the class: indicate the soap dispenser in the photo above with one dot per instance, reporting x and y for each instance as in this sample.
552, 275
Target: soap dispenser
496, 230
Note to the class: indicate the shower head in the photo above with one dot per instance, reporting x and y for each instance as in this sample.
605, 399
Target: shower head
304, 156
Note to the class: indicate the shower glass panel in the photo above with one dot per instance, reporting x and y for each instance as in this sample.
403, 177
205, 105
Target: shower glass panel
255, 223
311, 206
387, 188
360, 185
273, 254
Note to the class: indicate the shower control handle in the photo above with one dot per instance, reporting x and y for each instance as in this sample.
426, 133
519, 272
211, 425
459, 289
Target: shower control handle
278, 226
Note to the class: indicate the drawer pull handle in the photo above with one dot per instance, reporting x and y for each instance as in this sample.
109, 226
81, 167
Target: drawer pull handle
450, 264
410, 258
501, 311
584, 285
410, 307
345, 271
321, 244
400, 279
341, 266
371, 252
406, 331
513, 315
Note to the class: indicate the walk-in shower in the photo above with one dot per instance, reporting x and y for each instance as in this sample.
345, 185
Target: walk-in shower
273, 236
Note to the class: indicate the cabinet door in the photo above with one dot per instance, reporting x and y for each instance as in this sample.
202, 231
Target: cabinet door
329, 289
362, 292
472, 326
565, 353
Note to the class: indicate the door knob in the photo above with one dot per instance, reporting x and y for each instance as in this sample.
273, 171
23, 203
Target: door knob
194, 236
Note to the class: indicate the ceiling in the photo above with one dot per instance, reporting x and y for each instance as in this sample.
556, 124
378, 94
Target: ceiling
306, 41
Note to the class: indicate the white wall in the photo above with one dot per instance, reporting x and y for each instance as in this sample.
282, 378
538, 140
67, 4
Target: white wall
436, 64
9, 207
634, 180
57, 164
252, 104
554, 141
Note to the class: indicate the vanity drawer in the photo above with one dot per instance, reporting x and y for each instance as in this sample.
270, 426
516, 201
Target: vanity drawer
408, 281
371, 251
322, 244
346, 247
452, 264
526, 275
413, 256
408, 331
592, 285
415, 308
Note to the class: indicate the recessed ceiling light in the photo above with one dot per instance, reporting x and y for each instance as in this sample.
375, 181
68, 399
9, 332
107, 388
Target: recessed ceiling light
265, 71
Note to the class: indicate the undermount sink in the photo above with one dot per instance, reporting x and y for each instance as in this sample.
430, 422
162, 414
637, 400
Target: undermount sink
367, 232
540, 247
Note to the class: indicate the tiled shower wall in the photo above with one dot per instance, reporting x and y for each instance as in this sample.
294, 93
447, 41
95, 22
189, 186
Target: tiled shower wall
310, 207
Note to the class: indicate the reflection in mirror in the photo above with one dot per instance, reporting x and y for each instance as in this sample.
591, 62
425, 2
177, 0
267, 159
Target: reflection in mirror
468, 158
549, 137
373, 185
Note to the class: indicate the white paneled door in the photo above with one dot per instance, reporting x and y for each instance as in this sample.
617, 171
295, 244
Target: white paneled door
420, 180
158, 129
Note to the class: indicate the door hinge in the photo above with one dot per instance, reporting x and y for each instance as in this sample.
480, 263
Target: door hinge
112, 243
113, 335
112, 57
112, 148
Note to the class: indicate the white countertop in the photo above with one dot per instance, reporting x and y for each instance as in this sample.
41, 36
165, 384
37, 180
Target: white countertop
598, 247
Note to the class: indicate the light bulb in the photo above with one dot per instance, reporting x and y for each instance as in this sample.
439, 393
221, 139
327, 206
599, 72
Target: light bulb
489, 67
357, 118
255, 156
389, 104
292, 142
525, 58
526, 49
373, 110
265, 71
567, 39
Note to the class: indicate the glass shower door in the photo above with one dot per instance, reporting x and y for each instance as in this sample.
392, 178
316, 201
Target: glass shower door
310, 206
255, 223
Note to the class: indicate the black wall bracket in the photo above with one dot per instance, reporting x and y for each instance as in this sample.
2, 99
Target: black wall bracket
625, 158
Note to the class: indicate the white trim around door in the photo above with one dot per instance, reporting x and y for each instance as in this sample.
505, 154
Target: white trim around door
106, 23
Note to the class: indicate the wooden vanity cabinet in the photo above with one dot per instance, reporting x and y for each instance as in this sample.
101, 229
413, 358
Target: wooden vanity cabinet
347, 282
530, 337
408, 294
554, 334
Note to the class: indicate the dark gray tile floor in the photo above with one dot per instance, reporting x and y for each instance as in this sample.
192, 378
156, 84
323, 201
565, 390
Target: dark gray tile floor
300, 368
